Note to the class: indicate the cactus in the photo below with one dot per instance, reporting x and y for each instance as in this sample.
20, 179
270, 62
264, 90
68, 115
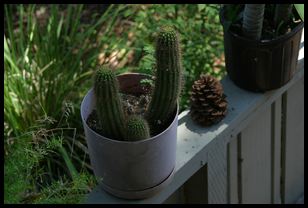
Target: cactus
168, 79
137, 128
164, 100
108, 103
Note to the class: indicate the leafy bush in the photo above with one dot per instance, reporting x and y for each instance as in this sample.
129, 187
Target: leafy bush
201, 39
48, 62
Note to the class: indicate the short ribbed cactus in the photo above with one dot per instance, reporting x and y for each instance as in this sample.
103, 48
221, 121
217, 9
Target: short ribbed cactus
137, 128
108, 103
168, 79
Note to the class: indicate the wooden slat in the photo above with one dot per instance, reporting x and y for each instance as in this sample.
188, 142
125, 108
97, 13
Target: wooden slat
239, 169
256, 163
196, 188
233, 175
217, 173
275, 149
177, 197
294, 146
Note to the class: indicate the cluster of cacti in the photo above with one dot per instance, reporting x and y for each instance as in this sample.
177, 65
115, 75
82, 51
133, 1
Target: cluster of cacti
168, 78
163, 104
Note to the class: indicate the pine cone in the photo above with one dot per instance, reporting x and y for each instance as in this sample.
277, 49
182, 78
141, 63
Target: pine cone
208, 103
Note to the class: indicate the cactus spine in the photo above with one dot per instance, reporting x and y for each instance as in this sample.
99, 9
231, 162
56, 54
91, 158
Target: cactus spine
168, 78
137, 128
108, 103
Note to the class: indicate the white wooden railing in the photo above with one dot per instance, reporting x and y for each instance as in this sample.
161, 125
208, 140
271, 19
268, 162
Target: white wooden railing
254, 155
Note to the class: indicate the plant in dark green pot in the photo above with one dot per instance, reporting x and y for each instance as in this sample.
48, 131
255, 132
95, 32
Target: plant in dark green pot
133, 154
261, 43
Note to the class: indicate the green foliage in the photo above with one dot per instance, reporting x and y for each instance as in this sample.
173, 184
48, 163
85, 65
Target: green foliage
17, 173
300, 10
147, 63
168, 79
46, 61
147, 82
22, 167
64, 192
108, 103
50, 54
29, 169
137, 128
201, 39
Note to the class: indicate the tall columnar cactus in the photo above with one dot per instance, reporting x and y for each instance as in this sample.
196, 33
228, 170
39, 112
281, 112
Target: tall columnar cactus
137, 128
108, 103
168, 78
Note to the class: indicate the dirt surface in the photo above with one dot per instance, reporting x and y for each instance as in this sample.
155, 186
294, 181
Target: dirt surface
132, 105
